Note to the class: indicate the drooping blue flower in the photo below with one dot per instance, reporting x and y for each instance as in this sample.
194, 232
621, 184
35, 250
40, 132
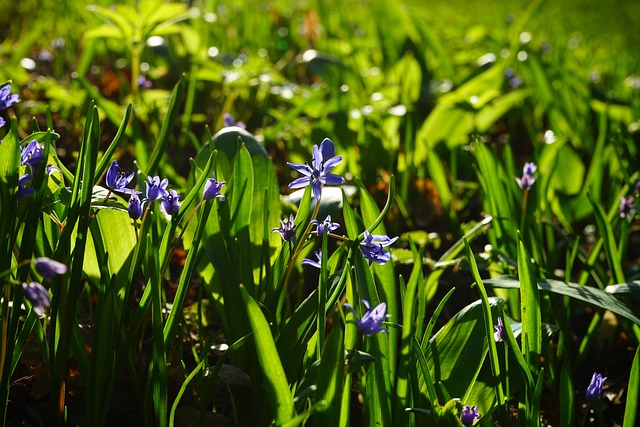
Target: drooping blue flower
24, 191
170, 202
117, 180
500, 333
626, 207
287, 229
212, 189
313, 263
594, 390
32, 155
469, 415
323, 161
156, 189
326, 225
135, 207
38, 296
371, 321
48, 268
7, 99
527, 180
373, 245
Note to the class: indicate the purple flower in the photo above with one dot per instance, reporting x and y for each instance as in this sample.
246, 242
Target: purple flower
287, 229
212, 189
156, 189
312, 263
372, 247
325, 225
2, 122
32, 155
469, 415
323, 161
500, 333
38, 296
7, 99
229, 120
594, 390
144, 82
371, 322
117, 180
638, 187
135, 207
626, 207
527, 180
22, 190
170, 202
48, 268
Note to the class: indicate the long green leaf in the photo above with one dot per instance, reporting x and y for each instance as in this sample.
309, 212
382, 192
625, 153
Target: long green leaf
331, 378
530, 308
277, 393
633, 392
588, 294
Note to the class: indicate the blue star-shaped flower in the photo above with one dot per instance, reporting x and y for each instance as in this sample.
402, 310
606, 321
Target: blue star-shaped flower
324, 160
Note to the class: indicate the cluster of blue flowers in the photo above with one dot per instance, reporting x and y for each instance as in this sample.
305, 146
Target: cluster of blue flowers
156, 189
318, 174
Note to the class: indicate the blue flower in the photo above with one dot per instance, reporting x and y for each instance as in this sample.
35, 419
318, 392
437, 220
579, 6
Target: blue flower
626, 207
527, 180
32, 155
287, 229
212, 189
24, 191
170, 202
323, 161
38, 296
7, 99
325, 225
117, 180
371, 322
469, 415
48, 268
372, 247
156, 189
135, 207
312, 263
2, 122
500, 333
594, 390
638, 187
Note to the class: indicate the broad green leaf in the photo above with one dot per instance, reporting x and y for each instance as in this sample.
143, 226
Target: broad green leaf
588, 294
277, 390
457, 351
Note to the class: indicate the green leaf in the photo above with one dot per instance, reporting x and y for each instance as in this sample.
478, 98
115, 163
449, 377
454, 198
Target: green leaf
456, 353
530, 308
567, 396
277, 390
588, 294
331, 378
633, 392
